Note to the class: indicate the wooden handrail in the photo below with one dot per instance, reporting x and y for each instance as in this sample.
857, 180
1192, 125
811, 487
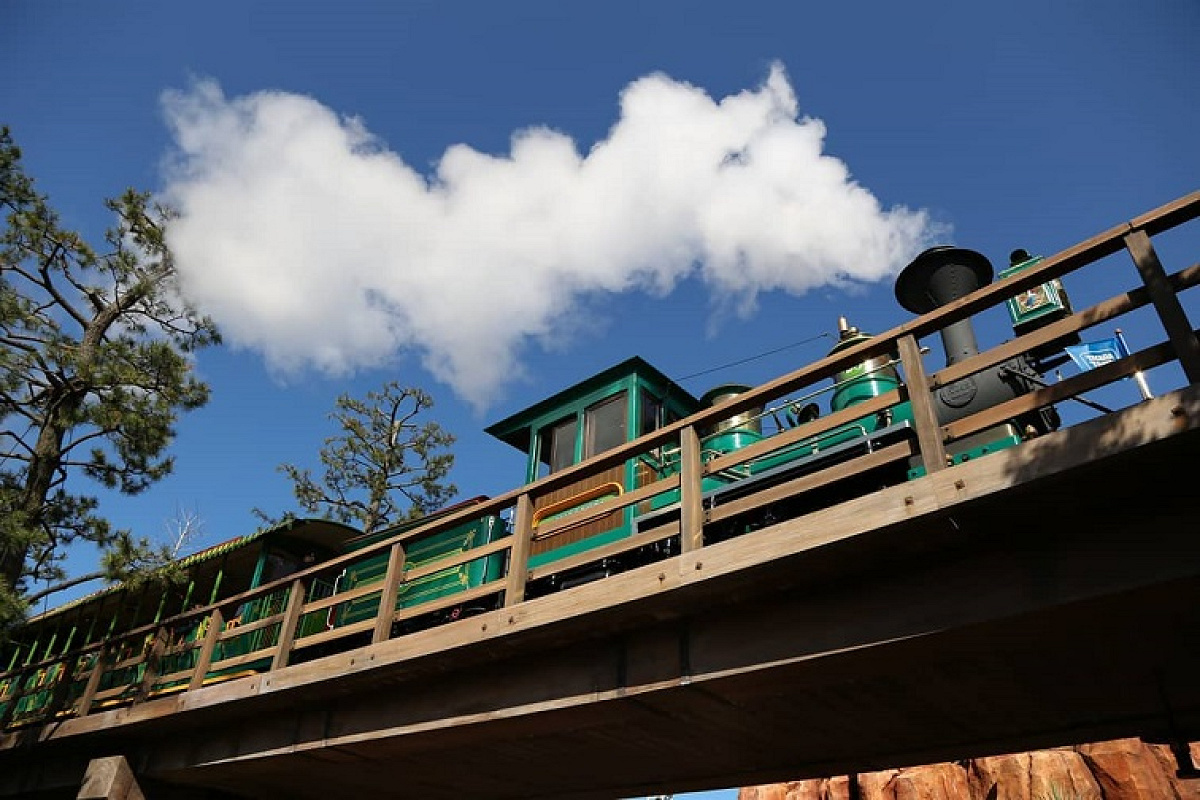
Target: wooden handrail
1159, 290
603, 509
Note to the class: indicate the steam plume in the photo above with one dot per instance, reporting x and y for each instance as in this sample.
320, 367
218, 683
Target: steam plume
310, 241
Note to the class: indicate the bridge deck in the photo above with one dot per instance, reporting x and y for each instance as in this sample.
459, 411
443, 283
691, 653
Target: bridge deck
1046, 594
912, 625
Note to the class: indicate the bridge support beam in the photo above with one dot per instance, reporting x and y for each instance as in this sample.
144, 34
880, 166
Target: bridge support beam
110, 778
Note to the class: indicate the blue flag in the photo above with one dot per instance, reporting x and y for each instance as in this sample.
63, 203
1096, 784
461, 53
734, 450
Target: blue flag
1090, 355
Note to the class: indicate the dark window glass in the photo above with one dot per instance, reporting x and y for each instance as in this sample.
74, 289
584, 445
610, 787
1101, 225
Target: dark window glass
604, 425
279, 565
557, 446
652, 414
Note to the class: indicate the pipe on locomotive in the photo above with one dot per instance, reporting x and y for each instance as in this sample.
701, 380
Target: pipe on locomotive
939, 276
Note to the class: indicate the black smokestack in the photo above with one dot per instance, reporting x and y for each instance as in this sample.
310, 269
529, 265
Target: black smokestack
939, 276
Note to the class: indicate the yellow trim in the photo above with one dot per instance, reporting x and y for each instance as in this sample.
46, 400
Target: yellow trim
595, 493
208, 681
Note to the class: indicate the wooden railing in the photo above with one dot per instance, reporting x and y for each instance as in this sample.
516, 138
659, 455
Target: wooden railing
184, 652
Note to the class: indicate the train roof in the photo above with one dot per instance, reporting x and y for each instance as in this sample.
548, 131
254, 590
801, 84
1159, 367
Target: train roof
362, 540
319, 532
514, 429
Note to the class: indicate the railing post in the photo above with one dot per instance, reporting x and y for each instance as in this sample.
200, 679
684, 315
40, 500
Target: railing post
387, 595
62, 687
93, 683
518, 556
287, 628
153, 658
691, 501
216, 621
1166, 303
929, 433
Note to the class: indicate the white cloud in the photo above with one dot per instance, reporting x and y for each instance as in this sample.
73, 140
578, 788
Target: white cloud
311, 242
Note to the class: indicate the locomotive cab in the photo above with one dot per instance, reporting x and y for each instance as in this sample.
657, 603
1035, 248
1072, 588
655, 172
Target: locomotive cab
585, 420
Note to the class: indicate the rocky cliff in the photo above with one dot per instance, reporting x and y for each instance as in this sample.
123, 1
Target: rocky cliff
1125, 769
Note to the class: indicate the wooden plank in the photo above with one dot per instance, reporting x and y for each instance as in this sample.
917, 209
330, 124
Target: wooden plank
1181, 209
1174, 319
465, 557
132, 661
62, 686
93, 682
233, 631
1157, 419
1056, 392
485, 590
109, 779
333, 634
153, 662
691, 499
518, 559
824, 477
1078, 322
387, 595
625, 500
171, 677
341, 597
287, 628
215, 620
181, 647
929, 434
262, 654
49, 662
802, 433
571, 527
124, 693
1170, 215
986, 475
656, 534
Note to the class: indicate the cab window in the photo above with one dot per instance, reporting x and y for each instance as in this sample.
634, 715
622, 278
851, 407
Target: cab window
605, 425
556, 445
651, 417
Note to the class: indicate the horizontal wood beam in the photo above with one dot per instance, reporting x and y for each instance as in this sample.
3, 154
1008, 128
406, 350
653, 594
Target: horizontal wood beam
1154, 420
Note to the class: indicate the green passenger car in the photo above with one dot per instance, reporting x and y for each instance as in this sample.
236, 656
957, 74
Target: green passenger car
419, 553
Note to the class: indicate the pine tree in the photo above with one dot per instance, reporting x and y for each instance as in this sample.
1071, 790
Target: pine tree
384, 467
95, 365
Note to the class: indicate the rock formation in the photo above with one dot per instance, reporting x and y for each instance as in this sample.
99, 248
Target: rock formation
1125, 769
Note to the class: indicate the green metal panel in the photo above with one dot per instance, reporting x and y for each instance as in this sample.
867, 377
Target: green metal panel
421, 553
633, 376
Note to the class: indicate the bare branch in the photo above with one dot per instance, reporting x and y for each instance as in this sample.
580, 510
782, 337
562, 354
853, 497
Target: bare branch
34, 597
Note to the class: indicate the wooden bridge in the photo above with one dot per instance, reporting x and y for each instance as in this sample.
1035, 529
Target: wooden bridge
1042, 595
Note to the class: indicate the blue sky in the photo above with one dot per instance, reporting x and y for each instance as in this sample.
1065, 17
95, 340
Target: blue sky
992, 126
